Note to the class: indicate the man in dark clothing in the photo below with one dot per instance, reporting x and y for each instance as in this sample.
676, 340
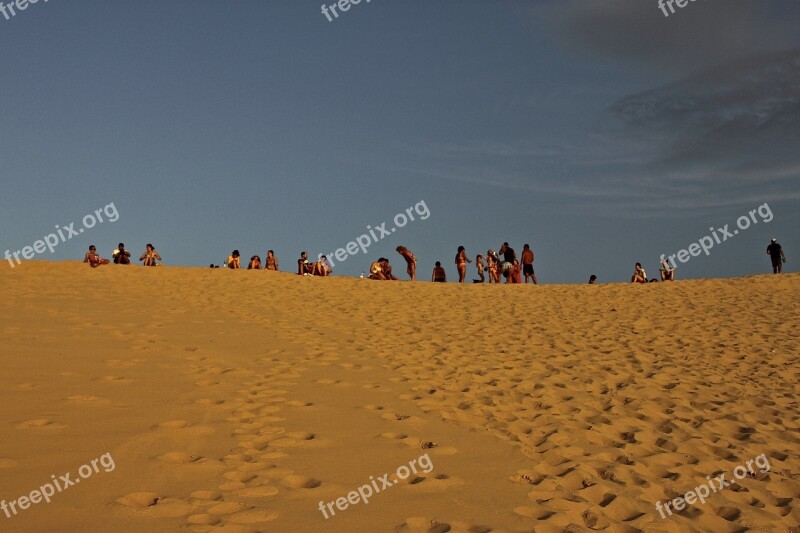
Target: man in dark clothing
509, 256
122, 256
775, 253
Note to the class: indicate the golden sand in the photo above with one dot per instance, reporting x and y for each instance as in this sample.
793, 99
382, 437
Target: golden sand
237, 401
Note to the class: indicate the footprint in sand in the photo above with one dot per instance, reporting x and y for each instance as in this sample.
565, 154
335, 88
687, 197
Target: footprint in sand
391, 435
394, 416
292, 439
240, 476
253, 517
209, 401
87, 398
39, 423
419, 524
121, 363
256, 492
203, 519
295, 481
210, 495
222, 509
173, 424
299, 403
115, 379
139, 499
179, 458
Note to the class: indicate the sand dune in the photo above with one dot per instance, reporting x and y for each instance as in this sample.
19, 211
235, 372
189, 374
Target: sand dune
237, 401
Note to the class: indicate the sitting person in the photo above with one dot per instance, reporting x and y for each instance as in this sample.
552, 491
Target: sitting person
255, 263
387, 269
322, 267
121, 255
667, 271
592, 280
439, 275
639, 275
233, 260
150, 256
93, 259
304, 268
376, 271
272, 261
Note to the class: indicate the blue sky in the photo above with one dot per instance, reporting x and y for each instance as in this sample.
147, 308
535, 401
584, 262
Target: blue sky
600, 132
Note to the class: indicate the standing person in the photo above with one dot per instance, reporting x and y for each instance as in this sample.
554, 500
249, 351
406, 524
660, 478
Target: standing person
481, 267
121, 255
438, 275
516, 272
150, 256
509, 256
271, 261
527, 264
233, 260
639, 275
493, 264
775, 252
411, 261
461, 263
93, 259
255, 263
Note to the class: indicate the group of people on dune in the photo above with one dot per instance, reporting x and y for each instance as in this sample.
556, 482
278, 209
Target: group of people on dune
121, 256
503, 263
640, 276
235, 262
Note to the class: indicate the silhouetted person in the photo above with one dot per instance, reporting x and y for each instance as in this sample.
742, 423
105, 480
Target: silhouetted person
775, 253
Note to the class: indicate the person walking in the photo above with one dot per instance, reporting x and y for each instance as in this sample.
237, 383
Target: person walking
775, 252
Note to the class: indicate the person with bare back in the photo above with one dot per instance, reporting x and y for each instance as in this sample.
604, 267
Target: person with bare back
527, 264
461, 263
411, 261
